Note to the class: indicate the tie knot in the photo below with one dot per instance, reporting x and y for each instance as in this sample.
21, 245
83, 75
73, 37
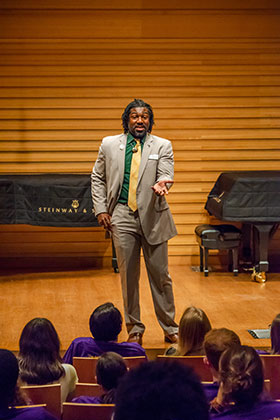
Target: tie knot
135, 148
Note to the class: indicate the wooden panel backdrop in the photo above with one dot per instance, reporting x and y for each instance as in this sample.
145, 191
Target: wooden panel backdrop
210, 69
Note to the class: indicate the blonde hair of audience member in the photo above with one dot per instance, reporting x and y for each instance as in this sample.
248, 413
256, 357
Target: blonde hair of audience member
241, 376
275, 335
193, 326
216, 341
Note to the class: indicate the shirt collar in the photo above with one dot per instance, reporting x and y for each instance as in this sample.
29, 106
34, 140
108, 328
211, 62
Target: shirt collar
130, 138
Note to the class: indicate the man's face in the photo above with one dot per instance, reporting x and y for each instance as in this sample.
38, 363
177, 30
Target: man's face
139, 121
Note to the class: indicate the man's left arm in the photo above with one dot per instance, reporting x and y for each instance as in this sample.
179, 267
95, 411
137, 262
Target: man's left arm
165, 170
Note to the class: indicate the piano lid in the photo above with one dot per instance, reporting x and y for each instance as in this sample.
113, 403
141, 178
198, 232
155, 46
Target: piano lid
47, 200
246, 196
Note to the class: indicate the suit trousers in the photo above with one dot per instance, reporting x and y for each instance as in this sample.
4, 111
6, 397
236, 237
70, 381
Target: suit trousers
128, 240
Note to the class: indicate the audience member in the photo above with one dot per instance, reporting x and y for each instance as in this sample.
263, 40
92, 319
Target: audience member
105, 325
39, 358
8, 389
110, 369
240, 393
160, 391
193, 326
216, 341
275, 335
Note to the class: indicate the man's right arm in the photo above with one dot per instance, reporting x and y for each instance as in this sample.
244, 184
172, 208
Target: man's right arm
99, 190
104, 219
98, 184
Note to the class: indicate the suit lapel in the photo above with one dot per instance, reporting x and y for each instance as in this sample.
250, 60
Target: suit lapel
145, 155
121, 156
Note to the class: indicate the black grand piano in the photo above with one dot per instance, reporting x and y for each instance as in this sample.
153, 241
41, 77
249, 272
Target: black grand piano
253, 198
62, 200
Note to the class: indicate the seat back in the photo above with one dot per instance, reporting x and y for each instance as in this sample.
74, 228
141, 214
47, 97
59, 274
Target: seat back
266, 384
75, 411
86, 366
32, 406
88, 389
196, 362
45, 394
271, 363
133, 362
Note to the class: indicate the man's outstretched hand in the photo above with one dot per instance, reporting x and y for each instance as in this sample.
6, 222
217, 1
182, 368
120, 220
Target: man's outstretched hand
104, 219
160, 187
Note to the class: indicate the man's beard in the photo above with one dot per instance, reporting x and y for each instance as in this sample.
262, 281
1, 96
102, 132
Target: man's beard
138, 135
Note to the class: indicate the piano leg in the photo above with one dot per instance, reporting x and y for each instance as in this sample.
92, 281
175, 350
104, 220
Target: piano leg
201, 258
246, 250
206, 262
265, 232
234, 253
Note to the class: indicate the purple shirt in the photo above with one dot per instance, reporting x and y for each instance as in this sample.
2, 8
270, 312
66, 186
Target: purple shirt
267, 410
87, 400
29, 413
87, 346
211, 390
262, 351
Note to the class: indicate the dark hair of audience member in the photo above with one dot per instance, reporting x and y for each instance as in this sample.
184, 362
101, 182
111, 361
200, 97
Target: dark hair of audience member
241, 376
105, 322
160, 390
39, 353
216, 341
110, 369
137, 103
275, 335
193, 326
10, 393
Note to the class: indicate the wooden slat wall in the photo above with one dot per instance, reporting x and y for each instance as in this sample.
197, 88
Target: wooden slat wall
210, 69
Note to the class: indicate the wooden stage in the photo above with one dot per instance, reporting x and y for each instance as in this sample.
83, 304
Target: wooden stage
67, 298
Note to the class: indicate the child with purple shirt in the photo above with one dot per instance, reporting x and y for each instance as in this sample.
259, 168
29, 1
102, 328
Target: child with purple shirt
160, 390
105, 325
216, 341
9, 371
110, 369
240, 395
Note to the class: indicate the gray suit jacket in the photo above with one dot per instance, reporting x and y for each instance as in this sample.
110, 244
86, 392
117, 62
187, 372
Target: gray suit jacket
156, 165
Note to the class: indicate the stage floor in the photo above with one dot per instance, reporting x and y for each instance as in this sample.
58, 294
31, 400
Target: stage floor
67, 298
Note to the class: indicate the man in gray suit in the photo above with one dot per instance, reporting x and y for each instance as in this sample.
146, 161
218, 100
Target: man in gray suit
138, 217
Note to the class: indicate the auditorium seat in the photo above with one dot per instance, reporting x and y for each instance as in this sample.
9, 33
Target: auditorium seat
75, 411
271, 364
45, 394
88, 389
31, 406
86, 366
196, 362
266, 384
